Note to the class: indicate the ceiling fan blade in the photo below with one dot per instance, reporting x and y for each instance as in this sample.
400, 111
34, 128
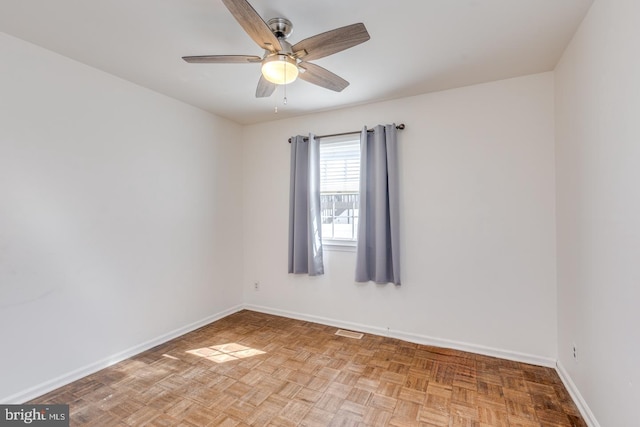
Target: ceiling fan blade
222, 59
322, 77
265, 88
331, 42
253, 24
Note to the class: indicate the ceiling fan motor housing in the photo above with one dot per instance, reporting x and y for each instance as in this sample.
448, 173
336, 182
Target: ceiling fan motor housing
281, 27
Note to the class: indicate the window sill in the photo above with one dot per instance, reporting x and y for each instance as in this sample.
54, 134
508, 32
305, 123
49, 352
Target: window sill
339, 245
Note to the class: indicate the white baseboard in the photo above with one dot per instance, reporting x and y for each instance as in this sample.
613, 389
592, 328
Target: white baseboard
39, 390
584, 409
411, 337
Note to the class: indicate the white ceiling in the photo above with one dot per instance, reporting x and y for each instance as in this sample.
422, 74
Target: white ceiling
416, 46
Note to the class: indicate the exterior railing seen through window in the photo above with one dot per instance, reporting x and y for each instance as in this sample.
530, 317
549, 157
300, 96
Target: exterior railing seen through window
339, 215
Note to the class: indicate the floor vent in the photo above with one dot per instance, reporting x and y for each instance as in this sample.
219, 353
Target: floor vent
349, 334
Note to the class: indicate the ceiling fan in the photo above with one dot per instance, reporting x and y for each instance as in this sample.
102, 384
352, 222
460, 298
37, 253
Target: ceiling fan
282, 62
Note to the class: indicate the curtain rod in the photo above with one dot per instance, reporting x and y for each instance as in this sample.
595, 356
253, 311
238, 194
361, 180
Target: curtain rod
399, 127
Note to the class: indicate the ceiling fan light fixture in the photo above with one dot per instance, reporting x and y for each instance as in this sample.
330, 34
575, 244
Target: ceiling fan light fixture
280, 69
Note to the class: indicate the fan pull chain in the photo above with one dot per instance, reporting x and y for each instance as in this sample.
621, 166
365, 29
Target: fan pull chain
284, 99
285, 86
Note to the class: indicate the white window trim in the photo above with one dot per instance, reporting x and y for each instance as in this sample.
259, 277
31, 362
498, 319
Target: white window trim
339, 245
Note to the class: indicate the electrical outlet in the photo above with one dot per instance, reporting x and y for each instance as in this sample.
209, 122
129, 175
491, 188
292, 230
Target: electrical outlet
574, 352
256, 286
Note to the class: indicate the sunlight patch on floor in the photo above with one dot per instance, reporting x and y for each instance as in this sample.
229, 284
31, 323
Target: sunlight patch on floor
170, 357
225, 352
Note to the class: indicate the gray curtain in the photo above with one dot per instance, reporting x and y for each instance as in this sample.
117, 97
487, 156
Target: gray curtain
378, 248
305, 223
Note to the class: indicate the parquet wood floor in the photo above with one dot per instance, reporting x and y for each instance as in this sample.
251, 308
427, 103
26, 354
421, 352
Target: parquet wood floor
256, 369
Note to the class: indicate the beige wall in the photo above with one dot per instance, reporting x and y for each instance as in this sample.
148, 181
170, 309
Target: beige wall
598, 174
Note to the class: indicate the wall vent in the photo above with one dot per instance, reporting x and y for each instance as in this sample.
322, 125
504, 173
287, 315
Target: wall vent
349, 334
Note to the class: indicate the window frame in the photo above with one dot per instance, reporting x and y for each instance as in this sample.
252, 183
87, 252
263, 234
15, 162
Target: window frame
341, 244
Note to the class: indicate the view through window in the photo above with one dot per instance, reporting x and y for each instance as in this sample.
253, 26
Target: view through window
339, 189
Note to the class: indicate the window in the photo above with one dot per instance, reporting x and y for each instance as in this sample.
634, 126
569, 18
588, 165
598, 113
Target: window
339, 189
